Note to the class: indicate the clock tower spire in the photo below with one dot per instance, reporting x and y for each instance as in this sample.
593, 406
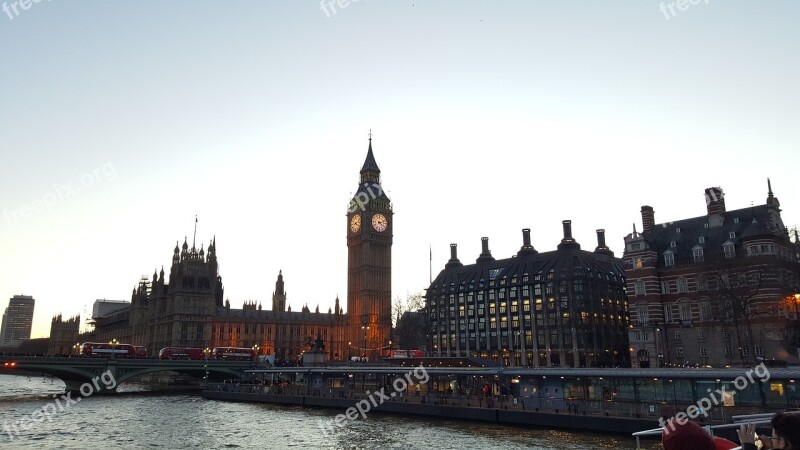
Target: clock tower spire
369, 269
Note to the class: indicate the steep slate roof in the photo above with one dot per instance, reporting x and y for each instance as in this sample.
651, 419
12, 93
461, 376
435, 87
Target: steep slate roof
560, 261
752, 222
370, 164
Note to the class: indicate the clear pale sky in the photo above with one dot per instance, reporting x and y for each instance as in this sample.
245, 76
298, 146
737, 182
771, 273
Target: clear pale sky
119, 121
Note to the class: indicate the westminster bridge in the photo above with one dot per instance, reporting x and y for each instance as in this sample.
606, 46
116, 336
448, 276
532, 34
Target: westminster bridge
75, 371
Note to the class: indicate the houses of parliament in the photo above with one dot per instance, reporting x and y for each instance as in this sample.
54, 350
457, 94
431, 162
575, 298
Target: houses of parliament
185, 307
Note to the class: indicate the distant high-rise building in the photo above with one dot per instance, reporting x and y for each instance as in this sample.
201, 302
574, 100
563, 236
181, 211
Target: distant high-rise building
17, 320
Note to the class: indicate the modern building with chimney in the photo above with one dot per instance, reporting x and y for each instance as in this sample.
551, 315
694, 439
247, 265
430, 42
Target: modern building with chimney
716, 289
565, 307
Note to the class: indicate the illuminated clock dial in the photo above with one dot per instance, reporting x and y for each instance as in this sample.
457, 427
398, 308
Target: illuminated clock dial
379, 222
355, 223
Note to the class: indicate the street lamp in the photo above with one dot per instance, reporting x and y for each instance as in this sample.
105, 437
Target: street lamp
114, 343
206, 353
77, 348
349, 350
255, 347
365, 328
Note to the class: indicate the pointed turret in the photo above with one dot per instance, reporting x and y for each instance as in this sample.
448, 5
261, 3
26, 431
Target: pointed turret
279, 295
771, 199
370, 164
370, 172
176, 256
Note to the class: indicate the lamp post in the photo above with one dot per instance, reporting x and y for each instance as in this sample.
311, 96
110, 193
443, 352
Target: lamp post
114, 343
207, 354
365, 328
349, 351
77, 348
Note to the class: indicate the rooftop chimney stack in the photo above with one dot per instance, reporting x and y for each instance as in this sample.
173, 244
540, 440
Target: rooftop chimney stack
602, 248
486, 254
567, 230
648, 218
568, 241
601, 238
526, 243
454, 262
715, 201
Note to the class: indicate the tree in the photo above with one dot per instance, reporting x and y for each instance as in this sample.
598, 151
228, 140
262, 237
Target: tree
411, 322
737, 285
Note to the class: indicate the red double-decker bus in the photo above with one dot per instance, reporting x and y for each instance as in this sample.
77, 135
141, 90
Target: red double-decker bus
105, 350
235, 353
186, 353
408, 354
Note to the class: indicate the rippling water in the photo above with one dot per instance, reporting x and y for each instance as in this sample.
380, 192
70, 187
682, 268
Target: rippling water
135, 419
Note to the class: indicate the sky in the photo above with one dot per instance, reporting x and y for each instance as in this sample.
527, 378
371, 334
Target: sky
121, 121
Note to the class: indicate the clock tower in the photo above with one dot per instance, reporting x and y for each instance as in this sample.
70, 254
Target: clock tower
369, 263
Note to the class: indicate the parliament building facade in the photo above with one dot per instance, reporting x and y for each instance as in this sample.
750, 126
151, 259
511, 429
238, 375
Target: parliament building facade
185, 308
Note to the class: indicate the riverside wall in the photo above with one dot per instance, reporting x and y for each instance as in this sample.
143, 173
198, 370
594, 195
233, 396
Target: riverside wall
430, 406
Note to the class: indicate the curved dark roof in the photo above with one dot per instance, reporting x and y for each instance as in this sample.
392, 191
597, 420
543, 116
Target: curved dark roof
565, 261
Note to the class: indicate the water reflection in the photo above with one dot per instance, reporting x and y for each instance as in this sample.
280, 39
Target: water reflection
177, 421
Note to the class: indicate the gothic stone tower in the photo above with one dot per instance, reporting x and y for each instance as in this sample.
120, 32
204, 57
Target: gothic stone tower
369, 263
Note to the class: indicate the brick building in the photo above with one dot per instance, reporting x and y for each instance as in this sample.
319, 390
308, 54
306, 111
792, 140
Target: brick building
713, 290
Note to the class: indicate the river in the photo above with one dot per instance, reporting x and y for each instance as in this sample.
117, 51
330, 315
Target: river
137, 418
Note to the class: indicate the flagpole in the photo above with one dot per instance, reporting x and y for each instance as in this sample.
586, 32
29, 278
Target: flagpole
430, 264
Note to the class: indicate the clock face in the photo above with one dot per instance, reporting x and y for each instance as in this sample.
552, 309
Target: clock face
355, 223
379, 222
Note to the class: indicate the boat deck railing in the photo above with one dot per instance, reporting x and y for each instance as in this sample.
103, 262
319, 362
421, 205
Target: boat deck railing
739, 420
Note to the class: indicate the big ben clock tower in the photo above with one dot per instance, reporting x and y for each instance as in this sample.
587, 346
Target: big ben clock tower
369, 263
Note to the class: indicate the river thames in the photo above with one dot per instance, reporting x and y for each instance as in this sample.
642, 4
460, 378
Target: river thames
137, 418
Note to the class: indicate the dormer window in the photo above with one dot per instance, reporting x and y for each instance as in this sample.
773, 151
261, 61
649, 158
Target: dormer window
701, 240
673, 244
705, 225
677, 230
698, 254
735, 220
732, 234
730, 250
669, 259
